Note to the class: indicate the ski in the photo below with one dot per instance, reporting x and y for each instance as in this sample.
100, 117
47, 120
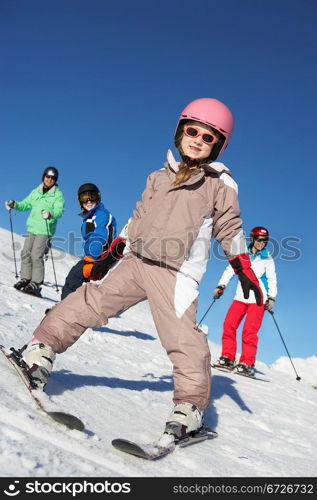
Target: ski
254, 377
150, 451
70, 421
31, 295
153, 451
228, 370
37, 296
222, 368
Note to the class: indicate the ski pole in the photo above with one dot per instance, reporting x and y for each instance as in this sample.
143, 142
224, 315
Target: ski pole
200, 322
57, 289
13, 247
272, 314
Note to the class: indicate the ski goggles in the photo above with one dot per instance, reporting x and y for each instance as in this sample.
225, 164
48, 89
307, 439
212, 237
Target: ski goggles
88, 196
50, 176
207, 137
261, 240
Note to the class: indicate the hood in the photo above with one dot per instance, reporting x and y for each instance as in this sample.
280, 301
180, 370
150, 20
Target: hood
215, 167
50, 190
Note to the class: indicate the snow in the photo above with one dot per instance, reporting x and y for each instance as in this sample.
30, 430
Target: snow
117, 379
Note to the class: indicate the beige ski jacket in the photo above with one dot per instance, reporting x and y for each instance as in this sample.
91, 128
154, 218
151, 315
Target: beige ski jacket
173, 225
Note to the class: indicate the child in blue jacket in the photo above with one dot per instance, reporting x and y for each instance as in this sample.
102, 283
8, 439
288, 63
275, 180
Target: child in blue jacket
100, 243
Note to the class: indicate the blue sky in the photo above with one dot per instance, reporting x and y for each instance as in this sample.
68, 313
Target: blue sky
95, 88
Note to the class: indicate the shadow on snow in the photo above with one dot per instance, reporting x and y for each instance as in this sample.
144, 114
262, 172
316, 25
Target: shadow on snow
127, 333
64, 380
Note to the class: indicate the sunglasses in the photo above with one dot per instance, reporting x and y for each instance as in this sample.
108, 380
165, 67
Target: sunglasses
85, 197
193, 132
50, 176
262, 240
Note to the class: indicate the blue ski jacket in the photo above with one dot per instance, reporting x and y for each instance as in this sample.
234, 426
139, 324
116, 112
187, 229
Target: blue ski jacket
98, 229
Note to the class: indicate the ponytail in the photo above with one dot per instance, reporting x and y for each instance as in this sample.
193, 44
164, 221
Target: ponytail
187, 168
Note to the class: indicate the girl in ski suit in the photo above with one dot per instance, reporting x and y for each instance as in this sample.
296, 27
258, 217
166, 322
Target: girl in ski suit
263, 266
168, 241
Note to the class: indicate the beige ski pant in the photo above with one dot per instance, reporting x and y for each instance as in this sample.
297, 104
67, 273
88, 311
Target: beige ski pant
131, 281
32, 257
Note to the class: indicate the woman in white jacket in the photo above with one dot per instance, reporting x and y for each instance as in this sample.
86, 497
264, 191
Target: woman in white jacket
263, 266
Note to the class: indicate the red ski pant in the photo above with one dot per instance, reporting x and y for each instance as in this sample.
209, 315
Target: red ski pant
254, 316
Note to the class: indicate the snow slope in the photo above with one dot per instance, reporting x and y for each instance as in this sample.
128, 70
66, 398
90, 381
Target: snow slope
117, 379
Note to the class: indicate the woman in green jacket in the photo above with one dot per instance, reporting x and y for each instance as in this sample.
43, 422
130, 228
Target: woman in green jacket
46, 203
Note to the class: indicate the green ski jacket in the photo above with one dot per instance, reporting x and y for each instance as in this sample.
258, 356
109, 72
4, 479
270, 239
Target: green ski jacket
52, 200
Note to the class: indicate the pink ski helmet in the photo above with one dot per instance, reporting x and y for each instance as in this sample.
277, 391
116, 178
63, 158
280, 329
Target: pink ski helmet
209, 112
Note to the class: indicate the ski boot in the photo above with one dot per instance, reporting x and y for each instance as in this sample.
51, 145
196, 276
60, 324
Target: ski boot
19, 285
38, 359
244, 369
33, 289
185, 420
224, 362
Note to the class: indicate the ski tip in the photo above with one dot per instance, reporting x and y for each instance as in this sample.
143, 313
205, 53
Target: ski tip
66, 419
145, 451
129, 447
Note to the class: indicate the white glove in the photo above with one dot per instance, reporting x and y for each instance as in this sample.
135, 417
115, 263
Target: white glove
218, 291
269, 305
46, 214
9, 204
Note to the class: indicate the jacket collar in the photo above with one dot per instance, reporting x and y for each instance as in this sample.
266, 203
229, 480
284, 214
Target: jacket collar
214, 167
51, 190
263, 254
91, 212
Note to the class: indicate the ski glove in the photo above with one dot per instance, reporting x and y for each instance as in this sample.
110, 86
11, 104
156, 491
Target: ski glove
242, 267
218, 291
46, 214
97, 269
269, 305
9, 204
87, 267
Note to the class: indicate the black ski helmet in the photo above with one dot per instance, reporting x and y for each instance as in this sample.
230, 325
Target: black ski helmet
50, 171
88, 188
